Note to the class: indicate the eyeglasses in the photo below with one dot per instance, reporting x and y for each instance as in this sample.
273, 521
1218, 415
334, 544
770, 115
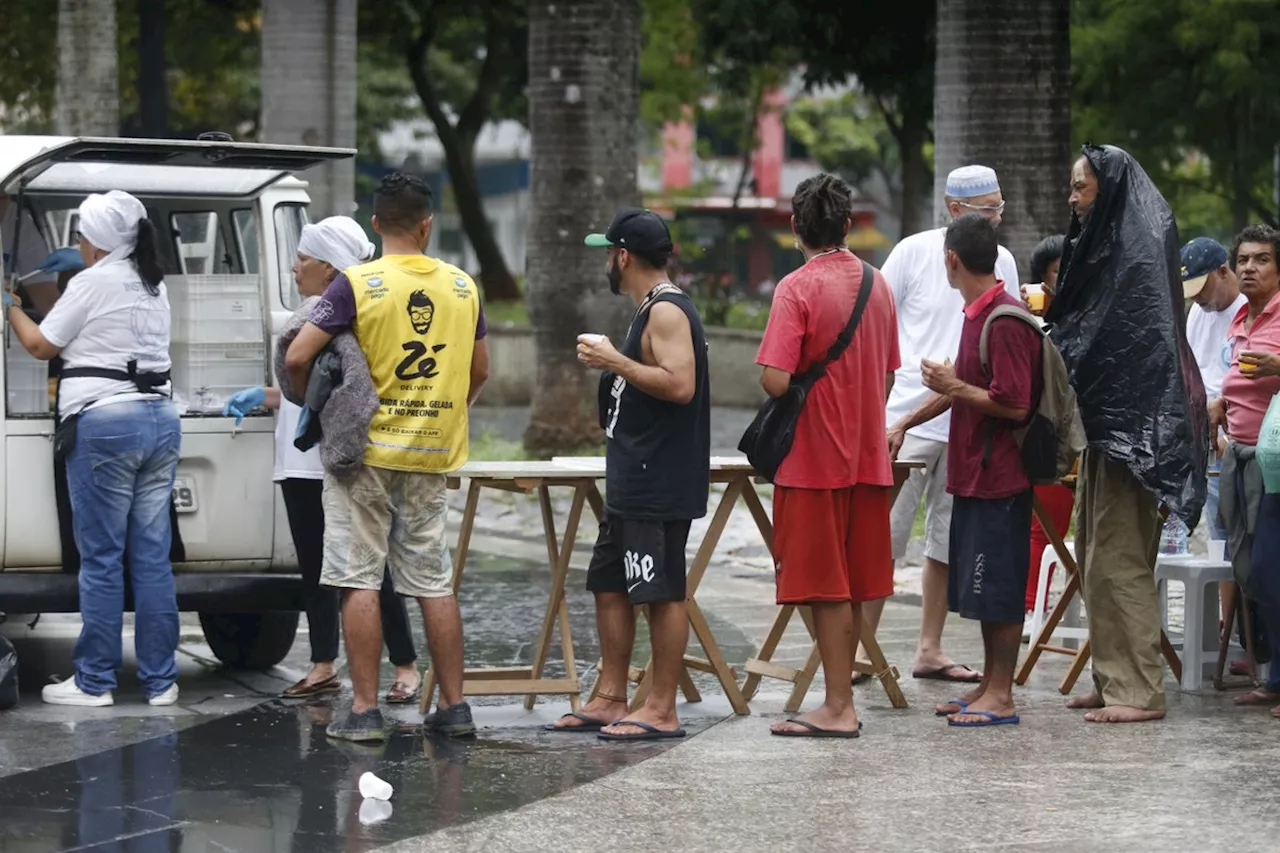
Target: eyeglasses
984, 208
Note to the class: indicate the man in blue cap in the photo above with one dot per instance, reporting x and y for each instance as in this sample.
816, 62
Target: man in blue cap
930, 321
1207, 278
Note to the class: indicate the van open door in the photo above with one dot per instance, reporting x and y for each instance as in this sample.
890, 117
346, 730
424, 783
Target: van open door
197, 193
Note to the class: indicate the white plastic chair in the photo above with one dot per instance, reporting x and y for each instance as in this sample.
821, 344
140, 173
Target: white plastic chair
1069, 628
1199, 577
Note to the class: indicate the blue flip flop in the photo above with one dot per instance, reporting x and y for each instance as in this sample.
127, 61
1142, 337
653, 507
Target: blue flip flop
647, 732
960, 703
992, 719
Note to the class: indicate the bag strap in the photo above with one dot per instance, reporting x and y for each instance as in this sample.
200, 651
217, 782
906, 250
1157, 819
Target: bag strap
1003, 311
819, 368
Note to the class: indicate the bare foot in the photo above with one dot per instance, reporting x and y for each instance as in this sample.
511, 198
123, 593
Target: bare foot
1083, 703
600, 708
953, 707
1122, 714
665, 721
1275, 712
824, 718
1261, 696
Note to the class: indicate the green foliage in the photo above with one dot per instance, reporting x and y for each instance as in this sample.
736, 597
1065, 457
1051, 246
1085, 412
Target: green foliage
489, 447
1171, 80
28, 64
846, 135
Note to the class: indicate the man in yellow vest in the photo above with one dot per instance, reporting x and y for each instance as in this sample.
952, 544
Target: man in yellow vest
420, 325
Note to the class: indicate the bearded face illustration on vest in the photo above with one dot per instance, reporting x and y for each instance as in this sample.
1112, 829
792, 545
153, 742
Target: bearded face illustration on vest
421, 310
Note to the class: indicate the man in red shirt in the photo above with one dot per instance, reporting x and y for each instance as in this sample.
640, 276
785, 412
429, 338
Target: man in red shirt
831, 544
991, 514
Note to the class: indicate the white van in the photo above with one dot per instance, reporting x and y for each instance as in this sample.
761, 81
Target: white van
229, 216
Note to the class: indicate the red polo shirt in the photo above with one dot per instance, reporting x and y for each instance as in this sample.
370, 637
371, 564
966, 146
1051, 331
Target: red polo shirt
1013, 350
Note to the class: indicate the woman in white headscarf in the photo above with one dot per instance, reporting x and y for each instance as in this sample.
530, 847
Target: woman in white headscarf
120, 437
325, 249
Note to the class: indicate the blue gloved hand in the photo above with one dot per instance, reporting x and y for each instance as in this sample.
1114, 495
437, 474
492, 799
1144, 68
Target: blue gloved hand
62, 260
244, 402
10, 300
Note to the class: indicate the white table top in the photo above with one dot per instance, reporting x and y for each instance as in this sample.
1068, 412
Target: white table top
587, 467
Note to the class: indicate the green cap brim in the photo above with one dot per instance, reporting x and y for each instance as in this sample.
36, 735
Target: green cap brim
597, 241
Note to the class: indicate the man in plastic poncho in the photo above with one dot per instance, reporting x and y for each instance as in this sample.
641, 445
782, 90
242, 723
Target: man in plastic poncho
1118, 320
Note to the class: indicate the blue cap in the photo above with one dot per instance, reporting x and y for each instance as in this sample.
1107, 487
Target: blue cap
1200, 257
972, 181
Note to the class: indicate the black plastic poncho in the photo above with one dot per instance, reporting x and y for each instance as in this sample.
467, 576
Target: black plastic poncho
1118, 319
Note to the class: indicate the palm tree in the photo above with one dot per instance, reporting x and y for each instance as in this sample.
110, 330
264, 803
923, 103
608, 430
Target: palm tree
1002, 98
583, 108
88, 90
309, 89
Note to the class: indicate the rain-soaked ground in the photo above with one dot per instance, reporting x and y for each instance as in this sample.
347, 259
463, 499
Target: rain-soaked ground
233, 768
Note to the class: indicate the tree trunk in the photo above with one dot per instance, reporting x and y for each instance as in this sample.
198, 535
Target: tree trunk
914, 210
1002, 99
309, 90
153, 89
88, 91
583, 108
459, 153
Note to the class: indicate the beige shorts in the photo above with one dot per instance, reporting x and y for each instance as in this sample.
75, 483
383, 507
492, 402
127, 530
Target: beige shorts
387, 518
929, 483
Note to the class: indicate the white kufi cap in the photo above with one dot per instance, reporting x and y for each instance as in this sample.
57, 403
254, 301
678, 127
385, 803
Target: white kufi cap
972, 181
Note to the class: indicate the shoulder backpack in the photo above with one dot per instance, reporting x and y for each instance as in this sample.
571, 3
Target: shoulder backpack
768, 440
1054, 437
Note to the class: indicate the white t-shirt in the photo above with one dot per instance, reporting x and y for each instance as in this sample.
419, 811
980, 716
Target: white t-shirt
292, 463
1207, 335
107, 318
930, 319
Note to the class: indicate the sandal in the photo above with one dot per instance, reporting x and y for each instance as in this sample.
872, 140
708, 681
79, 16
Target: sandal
1257, 697
400, 694
302, 689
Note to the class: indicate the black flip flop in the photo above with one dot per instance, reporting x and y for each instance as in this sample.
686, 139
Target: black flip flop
815, 731
589, 724
649, 732
942, 673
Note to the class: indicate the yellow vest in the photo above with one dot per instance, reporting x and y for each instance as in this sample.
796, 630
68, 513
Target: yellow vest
416, 322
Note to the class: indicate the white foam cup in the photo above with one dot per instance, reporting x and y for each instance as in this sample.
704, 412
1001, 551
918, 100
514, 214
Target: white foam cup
1217, 550
592, 338
371, 787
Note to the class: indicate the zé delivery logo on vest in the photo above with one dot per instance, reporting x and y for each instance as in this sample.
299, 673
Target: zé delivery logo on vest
417, 325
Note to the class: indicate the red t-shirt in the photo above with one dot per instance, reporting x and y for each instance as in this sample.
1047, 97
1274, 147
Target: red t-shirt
840, 437
1013, 350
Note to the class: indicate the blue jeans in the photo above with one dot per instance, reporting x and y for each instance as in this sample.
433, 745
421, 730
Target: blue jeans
120, 474
1264, 577
1216, 530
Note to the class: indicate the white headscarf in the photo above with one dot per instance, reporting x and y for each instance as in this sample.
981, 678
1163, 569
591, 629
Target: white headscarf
110, 222
339, 241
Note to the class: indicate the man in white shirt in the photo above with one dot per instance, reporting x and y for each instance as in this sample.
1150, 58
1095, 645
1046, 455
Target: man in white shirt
930, 319
1207, 278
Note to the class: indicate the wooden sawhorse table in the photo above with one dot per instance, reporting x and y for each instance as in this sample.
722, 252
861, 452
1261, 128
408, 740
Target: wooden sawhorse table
762, 665
735, 473
1043, 642
526, 478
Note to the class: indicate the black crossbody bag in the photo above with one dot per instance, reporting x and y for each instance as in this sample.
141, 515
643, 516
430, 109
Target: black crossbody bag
768, 440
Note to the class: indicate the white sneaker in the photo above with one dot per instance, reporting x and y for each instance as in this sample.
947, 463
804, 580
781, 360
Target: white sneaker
68, 693
168, 697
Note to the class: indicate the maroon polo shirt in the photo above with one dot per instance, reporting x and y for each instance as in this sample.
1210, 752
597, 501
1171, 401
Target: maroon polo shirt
1013, 350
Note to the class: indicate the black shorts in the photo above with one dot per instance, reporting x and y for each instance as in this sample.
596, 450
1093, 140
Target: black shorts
643, 559
990, 558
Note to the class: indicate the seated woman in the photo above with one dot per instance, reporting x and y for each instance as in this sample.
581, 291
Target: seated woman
1247, 390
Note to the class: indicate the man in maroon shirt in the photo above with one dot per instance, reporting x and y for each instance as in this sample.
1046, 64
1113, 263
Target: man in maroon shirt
991, 517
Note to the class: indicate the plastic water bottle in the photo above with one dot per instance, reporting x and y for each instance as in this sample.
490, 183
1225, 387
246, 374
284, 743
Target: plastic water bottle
1173, 538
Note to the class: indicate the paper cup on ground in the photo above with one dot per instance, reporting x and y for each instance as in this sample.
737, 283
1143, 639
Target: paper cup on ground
374, 811
371, 787
1217, 550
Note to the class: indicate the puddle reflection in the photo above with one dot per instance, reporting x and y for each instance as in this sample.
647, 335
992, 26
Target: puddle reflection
269, 780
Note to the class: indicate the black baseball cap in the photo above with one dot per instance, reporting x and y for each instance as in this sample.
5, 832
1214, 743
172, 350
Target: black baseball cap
1200, 257
636, 230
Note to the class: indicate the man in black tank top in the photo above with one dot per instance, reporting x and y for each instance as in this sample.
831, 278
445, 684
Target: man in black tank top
655, 408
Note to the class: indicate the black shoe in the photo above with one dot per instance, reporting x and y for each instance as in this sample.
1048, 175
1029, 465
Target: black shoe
454, 721
364, 727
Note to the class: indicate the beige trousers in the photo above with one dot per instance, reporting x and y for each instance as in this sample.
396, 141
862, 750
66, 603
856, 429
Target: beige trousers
1118, 539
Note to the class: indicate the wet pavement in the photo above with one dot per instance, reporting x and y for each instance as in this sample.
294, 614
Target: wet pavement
267, 779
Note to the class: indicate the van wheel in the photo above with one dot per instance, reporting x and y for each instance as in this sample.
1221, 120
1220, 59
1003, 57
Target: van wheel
250, 640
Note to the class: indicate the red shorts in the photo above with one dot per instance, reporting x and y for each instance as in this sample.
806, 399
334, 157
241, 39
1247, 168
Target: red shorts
832, 544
